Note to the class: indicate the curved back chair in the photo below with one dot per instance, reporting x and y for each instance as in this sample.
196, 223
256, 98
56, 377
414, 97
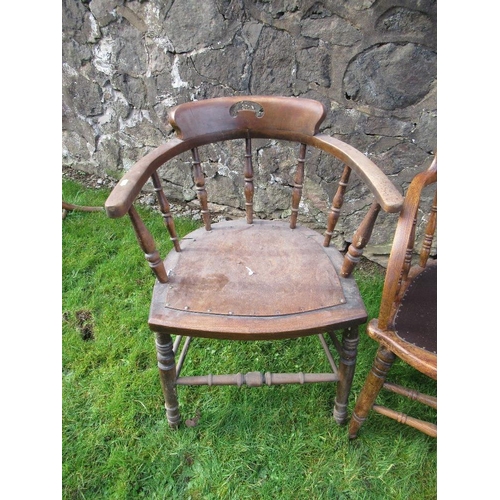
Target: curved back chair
253, 279
406, 327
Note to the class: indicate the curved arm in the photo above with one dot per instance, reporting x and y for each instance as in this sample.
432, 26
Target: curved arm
130, 185
382, 188
124, 193
402, 239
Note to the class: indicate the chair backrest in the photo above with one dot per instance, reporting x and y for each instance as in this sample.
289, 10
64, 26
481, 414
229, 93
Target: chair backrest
405, 262
214, 120
227, 118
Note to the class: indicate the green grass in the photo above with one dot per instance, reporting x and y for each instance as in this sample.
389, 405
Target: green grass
266, 443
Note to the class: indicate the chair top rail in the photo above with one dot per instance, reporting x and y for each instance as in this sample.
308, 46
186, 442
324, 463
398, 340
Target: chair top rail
267, 115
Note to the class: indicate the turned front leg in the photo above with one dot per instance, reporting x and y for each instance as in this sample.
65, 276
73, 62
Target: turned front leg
374, 382
350, 340
166, 367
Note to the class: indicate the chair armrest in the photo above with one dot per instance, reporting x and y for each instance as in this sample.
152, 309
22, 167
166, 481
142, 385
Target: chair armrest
382, 188
130, 185
124, 193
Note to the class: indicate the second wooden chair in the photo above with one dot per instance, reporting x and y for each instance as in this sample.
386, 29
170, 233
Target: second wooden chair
406, 327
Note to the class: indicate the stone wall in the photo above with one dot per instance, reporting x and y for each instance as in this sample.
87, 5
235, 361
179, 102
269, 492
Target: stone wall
372, 63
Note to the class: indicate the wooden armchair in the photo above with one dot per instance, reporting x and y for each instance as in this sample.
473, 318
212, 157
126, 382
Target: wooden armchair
406, 327
253, 279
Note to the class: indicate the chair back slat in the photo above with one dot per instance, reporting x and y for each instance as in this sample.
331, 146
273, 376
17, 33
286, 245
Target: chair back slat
408, 260
298, 184
146, 242
199, 182
249, 187
429, 233
406, 271
337, 202
165, 210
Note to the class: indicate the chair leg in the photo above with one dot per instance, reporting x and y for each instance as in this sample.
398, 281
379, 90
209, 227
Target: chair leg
350, 340
374, 382
166, 366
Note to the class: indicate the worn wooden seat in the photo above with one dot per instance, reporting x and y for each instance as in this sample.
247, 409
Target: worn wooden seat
253, 279
406, 327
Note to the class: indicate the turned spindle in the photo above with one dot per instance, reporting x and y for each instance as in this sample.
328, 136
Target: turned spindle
248, 173
147, 244
165, 211
337, 202
429, 233
359, 241
297, 186
201, 192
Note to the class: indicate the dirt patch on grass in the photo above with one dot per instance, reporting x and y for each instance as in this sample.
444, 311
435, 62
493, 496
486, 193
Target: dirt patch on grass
85, 324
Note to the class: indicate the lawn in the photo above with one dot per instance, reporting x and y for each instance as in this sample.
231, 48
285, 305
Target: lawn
249, 443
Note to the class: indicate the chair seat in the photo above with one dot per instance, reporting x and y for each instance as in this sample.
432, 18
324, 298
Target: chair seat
416, 318
237, 295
